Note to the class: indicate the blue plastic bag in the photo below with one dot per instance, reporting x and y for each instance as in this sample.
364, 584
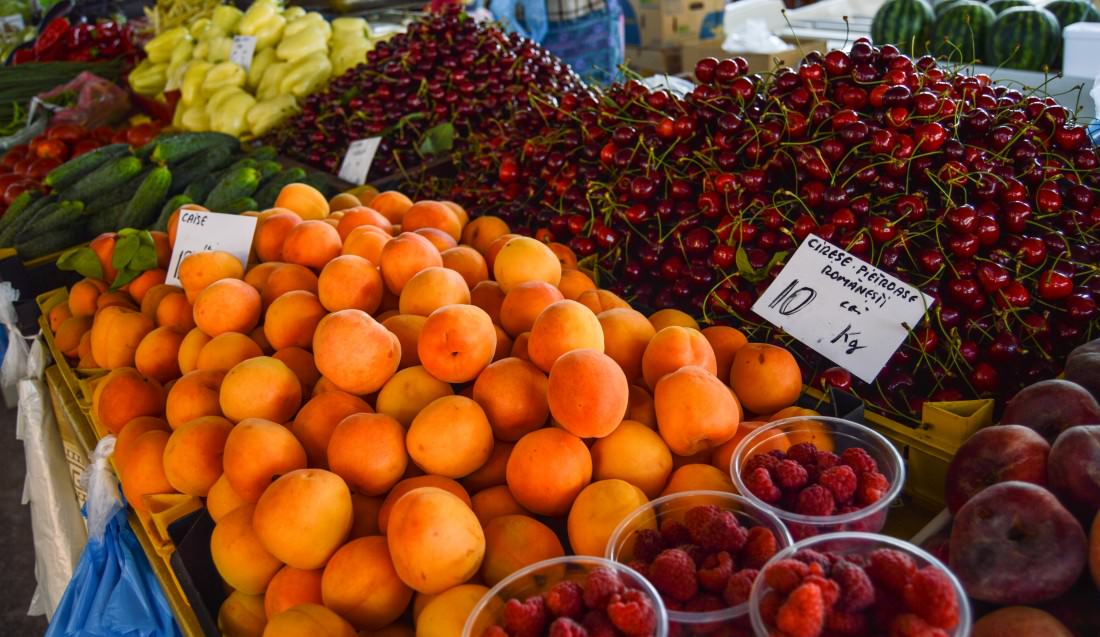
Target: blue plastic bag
113, 592
535, 20
593, 44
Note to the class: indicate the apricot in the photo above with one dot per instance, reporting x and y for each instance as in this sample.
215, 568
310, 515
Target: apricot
431, 289
669, 316
290, 587
358, 216
368, 451
194, 395
304, 517
601, 301
695, 410
574, 283
409, 484
456, 343
308, 619
366, 242
525, 259
304, 200
256, 453
450, 437
288, 277
199, 269
672, 348
405, 255
124, 440
242, 615
68, 335
725, 341
445, 614
360, 584
319, 417
392, 205
193, 455
488, 296
493, 472
355, 351
524, 303
435, 540
634, 453
626, 333
480, 233
143, 473
494, 502
124, 394
438, 238
432, 214
698, 477
260, 387
350, 282
547, 469
597, 511
271, 233
467, 262
587, 393
515, 541
83, 297
157, 356
407, 328
291, 319
311, 244
190, 347
228, 305
301, 363
175, 311
409, 391
116, 334
222, 499
765, 377
562, 327
513, 394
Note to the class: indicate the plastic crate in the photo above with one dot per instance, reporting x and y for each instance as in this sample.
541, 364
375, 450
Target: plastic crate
75, 440
80, 382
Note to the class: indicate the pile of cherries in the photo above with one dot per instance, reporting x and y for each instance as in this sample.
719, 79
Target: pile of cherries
984, 197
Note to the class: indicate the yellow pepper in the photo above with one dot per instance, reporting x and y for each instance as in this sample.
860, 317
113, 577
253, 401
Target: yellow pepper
199, 27
178, 65
220, 48
149, 78
308, 21
294, 13
260, 62
268, 114
302, 43
231, 115
346, 56
349, 26
215, 101
193, 77
269, 84
263, 22
221, 76
226, 18
159, 49
306, 74
195, 118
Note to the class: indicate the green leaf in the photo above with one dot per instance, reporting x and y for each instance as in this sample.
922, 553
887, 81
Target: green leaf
777, 258
146, 256
125, 248
743, 265
83, 261
123, 277
438, 139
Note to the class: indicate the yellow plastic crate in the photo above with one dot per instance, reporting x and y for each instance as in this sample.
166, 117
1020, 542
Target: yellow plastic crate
81, 382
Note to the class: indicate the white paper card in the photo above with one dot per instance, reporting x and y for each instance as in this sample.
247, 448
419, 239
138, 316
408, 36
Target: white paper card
358, 160
200, 231
842, 307
244, 48
13, 23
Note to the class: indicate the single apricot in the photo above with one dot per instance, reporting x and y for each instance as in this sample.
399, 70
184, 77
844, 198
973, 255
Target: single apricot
672, 348
392, 205
562, 327
515, 541
634, 453
407, 328
480, 233
358, 216
432, 214
725, 341
124, 440
467, 262
116, 334
431, 289
695, 410
494, 502
450, 437
318, 419
366, 242
143, 473
566, 257
290, 587
587, 393
350, 282
260, 387
256, 452
524, 259
200, 269
175, 312
698, 477
361, 584
524, 303
225, 351
242, 615
271, 234
301, 363
194, 395
312, 244
368, 451
626, 334
408, 392
435, 540
228, 305
291, 319
104, 248
669, 316
456, 343
239, 555
222, 499
597, 511
287, 278
303, 199
342, 202
193, 455
408, 484
547, 469
68, 335
488, 296
574, 283
304, 517
190, 348
405, 255
765, 377
144, 282
355, 351
308, 619
125, 394
513, 393
83, 297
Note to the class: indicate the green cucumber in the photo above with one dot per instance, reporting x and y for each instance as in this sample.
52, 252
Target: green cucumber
104, 179
48, 242
264, 153
238, 183
196, 167
244, 204
71, 171
143, 208
106, 221
166, 211
25, 217
321, 183
269, 191
51, 218
268, 168
173, 148
15, 210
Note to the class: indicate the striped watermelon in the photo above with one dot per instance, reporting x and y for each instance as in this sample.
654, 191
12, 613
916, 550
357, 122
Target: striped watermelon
904, 23
1024, 38
1000, 5
1071, 11
960, 32
939, 6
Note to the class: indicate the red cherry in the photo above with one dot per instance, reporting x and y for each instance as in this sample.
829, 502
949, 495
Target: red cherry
1054, 285
930, 137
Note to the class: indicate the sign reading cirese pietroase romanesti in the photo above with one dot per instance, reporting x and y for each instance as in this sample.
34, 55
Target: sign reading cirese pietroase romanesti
200, 231
842, 307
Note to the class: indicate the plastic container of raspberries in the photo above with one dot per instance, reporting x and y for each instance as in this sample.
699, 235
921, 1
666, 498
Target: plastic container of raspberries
857, 584
819, 474
593, 592
677, 542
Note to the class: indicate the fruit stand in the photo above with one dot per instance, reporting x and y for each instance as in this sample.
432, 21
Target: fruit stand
400, 326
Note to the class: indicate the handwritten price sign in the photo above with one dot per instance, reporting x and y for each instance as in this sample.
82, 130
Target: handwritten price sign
358, 159
842, 307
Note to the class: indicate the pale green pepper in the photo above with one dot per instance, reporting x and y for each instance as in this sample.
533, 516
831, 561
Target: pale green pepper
302, 43
306, 74
268, 114
231, 115
223, 75
269, 84
260, 62
220, 48
159, 49
226, 18
149, 78
193, 77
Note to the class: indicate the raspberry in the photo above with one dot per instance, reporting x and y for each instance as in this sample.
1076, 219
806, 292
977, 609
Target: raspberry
674, 533
641, 567
909, 625
699, 518
887, 606
759, 483
803, 614
859, 460
857, 590
790, 475
767, 461
810, 556
697, 553
632, 613
785, 575
598, 624
566, 599
739, 586
705, 604
891, 569
815, 500
566, 627
841, 481
600, 585
673, 574
872, 486
804, 453
931, 596
723, 533
648, 543
769, 606
847, 624
715, 571
527, 618
830, 590
759, 547
494, 631
826, 459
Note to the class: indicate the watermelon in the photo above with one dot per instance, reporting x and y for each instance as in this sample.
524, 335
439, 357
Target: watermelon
939, 6
960, 32
1071, 11
904, 23
1024, 38
1000, 5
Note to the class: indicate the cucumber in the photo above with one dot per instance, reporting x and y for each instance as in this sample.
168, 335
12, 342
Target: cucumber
147, 201
104, 179
117, 196
166, 211
264, 153
15, 210
269, 191
195, 167
106, 221
48, 242
321, 183
268, 168
244, 162
244, 204
198, 190
238, 183
173, 148
51, 218
71, 171
23, 218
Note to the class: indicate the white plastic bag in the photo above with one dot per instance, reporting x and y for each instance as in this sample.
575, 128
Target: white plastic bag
754, 36
101, 486
14, 367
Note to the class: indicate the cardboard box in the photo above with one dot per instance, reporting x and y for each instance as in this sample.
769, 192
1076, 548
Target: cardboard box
758, 62
661, 23
648, 62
